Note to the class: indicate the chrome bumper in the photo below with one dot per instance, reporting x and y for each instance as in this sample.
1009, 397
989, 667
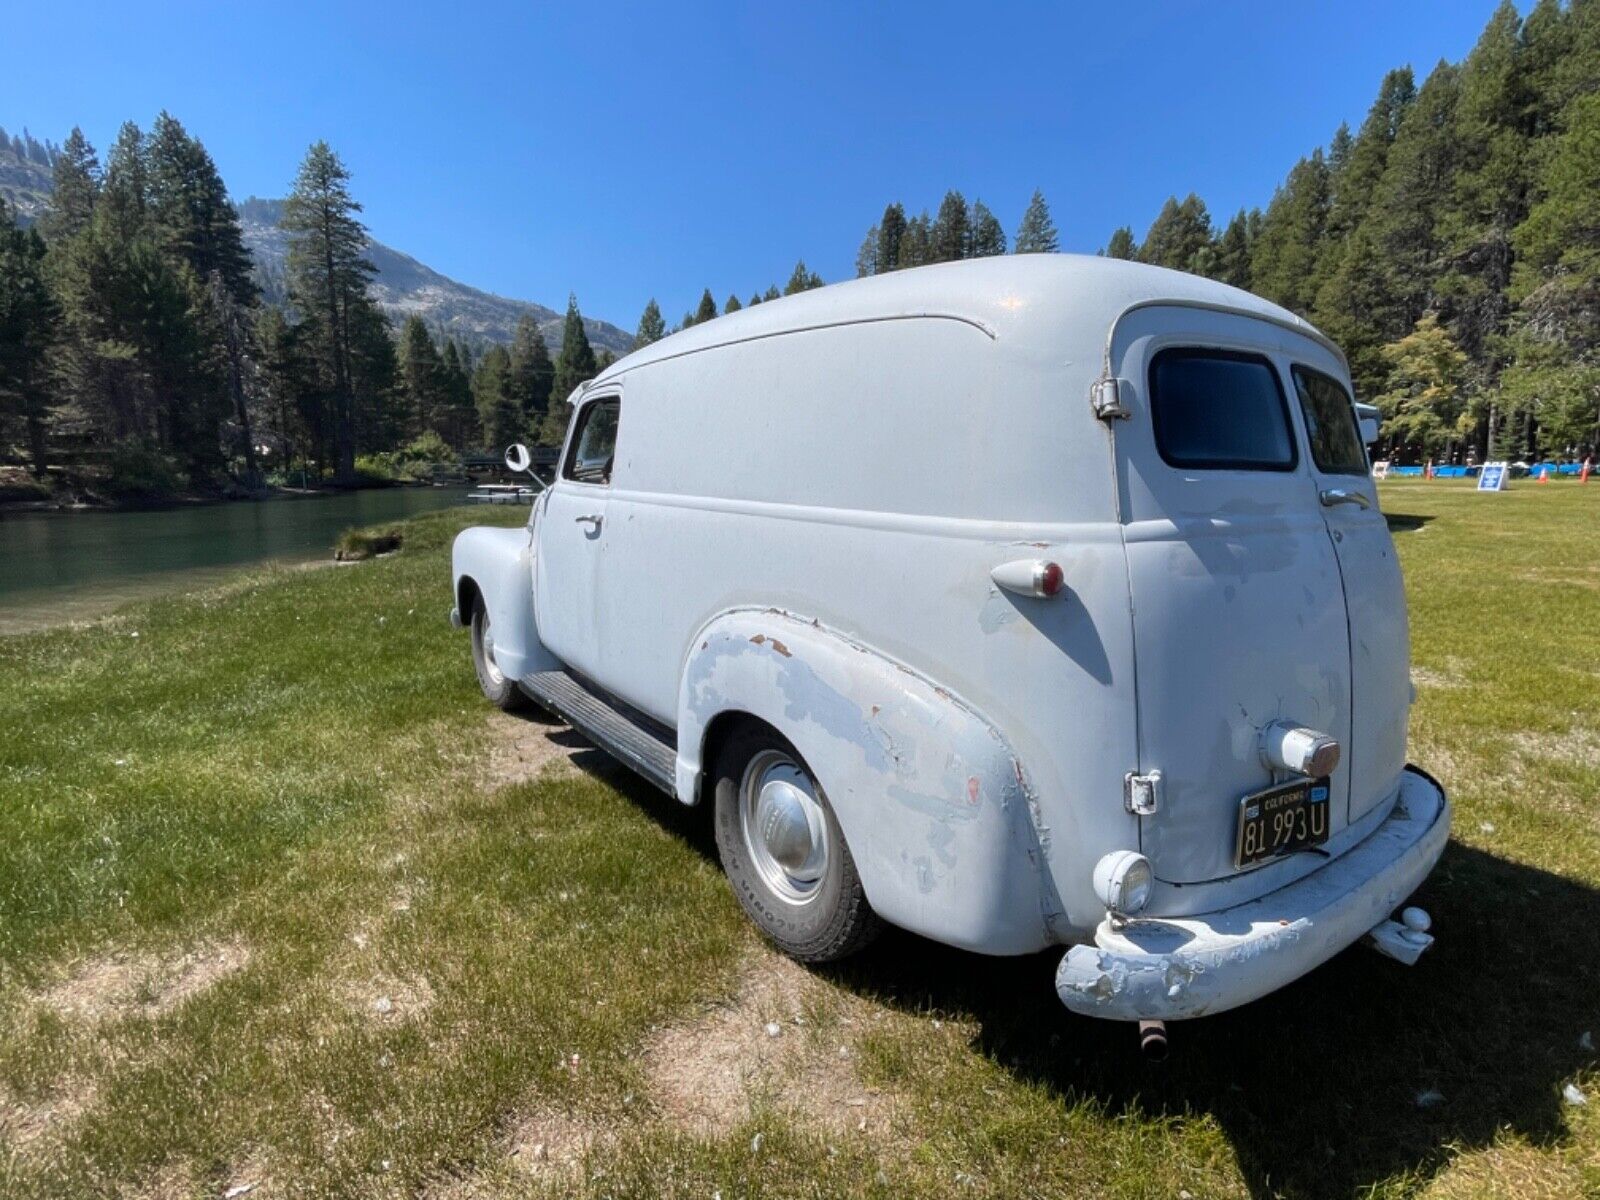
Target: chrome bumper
1190, 966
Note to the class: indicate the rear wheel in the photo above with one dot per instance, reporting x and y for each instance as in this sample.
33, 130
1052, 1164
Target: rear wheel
501, 690
783, 851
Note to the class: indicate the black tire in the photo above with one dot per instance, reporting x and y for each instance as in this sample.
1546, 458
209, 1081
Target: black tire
500, 688
833, 919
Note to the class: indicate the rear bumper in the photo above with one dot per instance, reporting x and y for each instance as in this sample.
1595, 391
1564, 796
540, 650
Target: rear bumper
1191, 966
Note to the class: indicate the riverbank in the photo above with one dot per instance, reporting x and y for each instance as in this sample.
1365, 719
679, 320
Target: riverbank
285, 906
62, 567
20, 492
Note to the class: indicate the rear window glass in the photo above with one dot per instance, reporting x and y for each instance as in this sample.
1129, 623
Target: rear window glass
1220, 410
1330, 423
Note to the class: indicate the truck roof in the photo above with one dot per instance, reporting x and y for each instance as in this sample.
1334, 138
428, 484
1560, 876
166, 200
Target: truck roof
1025, 297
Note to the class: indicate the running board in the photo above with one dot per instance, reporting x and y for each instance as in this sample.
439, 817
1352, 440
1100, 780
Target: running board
631, 738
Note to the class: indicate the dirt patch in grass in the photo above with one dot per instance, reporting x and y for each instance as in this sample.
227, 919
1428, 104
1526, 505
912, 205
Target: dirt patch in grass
543, 1144
521, 750
784, 1042
1578, 746
23, 1123
121, 984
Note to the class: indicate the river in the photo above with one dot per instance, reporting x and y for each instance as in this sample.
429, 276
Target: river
57, 567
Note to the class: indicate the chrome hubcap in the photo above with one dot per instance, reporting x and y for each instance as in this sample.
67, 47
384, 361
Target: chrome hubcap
785, 830
486, 644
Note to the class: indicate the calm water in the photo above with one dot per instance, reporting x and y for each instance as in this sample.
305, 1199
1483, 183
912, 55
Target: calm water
58, 567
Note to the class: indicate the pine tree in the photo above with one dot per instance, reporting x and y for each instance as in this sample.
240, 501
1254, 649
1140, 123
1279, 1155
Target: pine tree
575, 365
916, 242
1231, 263
74, 189
501, 416
1555, 370
867, 255
1037, 233
890, 230
281, 385
772, 292
422, 380
190, 210
651, 327
1283, 261
801, 280
125, 193
950, 230
707, 310
731, 305
987, 238
755, 299
459, 418
328, 275
532, 371
29, 320
1122, 244
1179, 235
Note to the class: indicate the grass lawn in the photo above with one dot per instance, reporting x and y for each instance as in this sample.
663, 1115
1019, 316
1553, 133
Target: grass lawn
286, 907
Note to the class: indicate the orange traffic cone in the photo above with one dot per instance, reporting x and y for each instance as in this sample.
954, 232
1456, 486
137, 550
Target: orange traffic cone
1544, 474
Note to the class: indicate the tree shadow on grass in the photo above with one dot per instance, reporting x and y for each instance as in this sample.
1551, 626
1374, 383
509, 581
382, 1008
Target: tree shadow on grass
1317, 1086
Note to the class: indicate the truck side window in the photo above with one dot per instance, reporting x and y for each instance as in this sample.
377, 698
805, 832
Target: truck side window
1220, 410
594, 448
1330, 423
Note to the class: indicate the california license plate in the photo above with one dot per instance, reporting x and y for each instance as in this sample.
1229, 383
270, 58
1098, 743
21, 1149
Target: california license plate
1281, 820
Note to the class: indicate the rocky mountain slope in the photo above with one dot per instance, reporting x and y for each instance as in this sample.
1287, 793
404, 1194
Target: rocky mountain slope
404, 286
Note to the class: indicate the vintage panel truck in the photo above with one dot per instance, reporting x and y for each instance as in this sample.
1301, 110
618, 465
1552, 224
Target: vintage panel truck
1029, 601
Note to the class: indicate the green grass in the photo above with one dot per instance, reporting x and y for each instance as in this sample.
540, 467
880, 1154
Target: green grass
289, 772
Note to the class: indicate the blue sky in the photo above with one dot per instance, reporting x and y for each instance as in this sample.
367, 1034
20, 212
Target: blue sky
624, 152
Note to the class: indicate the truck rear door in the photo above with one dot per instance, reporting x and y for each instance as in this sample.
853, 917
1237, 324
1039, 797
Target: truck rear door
1374, 594
1239, 614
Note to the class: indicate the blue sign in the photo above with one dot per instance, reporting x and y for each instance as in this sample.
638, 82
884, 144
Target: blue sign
1492, 478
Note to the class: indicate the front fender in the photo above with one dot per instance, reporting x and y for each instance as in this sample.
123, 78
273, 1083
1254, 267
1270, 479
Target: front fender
935, 807
497, 563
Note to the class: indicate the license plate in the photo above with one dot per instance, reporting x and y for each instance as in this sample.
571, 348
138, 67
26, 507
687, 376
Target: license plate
1281, 820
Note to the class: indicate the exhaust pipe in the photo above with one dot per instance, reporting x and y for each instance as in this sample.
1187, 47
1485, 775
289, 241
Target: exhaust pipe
1153, 1040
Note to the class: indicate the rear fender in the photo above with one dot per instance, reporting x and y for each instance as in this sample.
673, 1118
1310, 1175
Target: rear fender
935, 807
497, 564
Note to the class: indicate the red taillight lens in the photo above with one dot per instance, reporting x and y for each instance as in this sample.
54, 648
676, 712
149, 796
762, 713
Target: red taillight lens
1051, 579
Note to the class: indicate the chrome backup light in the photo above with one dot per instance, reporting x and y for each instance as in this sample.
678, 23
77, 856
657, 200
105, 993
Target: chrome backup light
1289, 747
1122, 880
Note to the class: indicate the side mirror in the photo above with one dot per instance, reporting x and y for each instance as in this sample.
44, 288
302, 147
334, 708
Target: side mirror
1369, 430
517, 457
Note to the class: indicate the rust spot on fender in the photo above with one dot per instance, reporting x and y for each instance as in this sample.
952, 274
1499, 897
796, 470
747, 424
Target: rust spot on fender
761, 639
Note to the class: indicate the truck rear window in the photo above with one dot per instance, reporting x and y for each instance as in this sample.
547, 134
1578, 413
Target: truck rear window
1220, 410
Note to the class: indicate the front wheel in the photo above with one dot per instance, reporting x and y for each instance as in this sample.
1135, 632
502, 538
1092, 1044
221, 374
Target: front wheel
501, 690
783, 851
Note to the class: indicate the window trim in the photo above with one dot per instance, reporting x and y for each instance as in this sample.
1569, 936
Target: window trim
1215, 352
1297, 369
580, 420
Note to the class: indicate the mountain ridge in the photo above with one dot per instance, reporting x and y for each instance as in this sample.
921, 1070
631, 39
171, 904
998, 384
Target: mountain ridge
404, 285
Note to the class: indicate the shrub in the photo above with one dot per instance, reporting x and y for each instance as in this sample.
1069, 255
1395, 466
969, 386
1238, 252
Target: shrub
135, 473
356, 544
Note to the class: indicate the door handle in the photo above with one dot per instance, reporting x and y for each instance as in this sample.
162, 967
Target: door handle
588, 519
1332, 496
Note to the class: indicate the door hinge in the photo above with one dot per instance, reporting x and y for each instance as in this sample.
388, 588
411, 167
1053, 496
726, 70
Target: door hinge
1105, 397
1141, 794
